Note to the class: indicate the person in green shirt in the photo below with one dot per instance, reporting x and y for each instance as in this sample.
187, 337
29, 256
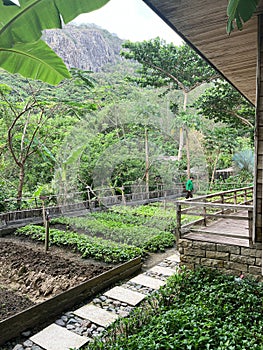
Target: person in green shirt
189, 188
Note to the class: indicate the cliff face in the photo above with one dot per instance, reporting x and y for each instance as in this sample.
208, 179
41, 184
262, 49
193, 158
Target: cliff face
86, 47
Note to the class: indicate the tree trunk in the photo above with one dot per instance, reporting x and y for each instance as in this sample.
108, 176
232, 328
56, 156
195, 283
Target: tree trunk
214, 170
187, 154
181, 143
20, 185
181, 131
146, 163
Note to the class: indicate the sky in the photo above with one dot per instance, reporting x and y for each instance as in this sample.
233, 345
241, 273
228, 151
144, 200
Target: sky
130, 20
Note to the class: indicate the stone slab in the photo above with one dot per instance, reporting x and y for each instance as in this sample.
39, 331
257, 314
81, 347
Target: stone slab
175, 257
96, 315
148, 281
160, 270
125, 295
55, 337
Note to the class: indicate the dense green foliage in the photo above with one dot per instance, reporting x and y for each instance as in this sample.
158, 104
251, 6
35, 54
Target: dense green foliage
196, 310
163, 64
94, 134
222, 103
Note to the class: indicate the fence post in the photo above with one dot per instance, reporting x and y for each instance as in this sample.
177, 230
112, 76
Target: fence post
46, 230
178, 222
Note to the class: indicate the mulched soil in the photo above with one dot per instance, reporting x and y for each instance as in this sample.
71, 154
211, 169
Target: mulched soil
29, 276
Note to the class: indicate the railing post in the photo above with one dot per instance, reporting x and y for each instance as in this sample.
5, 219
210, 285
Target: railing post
178, 222
204, 213
222, 201
235, 197
250, 227
245, 196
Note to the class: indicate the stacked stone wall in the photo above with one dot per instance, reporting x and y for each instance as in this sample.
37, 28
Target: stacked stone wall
230, 259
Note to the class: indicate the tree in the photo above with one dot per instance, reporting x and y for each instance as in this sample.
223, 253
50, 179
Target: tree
218, 141
176, 67
25, 131
222, 103
21, 48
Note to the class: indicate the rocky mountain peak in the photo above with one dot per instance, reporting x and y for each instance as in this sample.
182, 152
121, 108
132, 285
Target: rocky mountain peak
86, 47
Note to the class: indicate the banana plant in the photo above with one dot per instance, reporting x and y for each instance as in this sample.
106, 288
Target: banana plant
239, 12
21, 25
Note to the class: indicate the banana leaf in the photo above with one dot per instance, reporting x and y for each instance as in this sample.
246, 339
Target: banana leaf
21, 48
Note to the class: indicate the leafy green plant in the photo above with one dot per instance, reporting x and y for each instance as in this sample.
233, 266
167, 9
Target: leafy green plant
89, 247
195, 310
22, 50
239, 12
147, 227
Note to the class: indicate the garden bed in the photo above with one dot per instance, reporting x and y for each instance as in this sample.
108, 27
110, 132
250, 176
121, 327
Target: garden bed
29, 276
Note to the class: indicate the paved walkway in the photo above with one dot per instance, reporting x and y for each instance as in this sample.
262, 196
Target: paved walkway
103, 310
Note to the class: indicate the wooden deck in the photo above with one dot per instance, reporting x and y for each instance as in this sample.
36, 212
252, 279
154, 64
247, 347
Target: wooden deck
220, 231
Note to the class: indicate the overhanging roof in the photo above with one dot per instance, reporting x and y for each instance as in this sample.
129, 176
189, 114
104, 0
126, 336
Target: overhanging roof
202, 24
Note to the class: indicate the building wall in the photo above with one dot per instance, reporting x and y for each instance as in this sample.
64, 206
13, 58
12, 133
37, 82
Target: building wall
229, 259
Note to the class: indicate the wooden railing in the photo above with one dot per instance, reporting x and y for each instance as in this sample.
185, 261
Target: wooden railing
226, 204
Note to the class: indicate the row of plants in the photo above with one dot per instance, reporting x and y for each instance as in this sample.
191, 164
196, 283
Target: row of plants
198, 310
123, 226
89, 247
159, 215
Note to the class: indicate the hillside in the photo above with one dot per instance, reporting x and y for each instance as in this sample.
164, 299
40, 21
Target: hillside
86, 47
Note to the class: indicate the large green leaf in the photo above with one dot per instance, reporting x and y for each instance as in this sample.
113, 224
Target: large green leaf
21, 50
35, 60
239, 12
25, 23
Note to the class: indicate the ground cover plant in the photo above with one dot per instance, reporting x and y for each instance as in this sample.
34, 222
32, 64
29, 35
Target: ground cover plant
195, 310
89, 247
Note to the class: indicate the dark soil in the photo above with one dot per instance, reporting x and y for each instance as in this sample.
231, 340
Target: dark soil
28, 275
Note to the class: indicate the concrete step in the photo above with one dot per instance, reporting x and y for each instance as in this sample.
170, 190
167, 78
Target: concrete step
160, 270
174, 258
96, 315
55, 337
125, 295
148, 281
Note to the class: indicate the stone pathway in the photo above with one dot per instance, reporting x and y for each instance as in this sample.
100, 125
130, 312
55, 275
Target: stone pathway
78, 327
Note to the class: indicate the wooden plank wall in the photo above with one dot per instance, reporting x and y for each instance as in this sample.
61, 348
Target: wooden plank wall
259, 138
